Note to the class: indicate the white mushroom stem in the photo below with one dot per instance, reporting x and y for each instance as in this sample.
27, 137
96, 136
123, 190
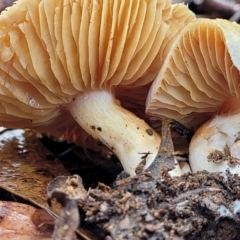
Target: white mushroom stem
177, 171
220, 136
130, 138
185, 168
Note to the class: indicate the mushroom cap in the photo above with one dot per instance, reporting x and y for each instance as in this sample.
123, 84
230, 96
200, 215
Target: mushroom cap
53, 50
200, 74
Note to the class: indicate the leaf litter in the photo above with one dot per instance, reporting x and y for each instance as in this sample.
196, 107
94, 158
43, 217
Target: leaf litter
23, 222
25, 170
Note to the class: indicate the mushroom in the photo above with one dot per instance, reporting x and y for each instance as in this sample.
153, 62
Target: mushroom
199, 80
180, 17
215, 145
63, 62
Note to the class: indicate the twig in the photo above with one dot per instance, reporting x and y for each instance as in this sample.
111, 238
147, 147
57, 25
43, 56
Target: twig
165, 159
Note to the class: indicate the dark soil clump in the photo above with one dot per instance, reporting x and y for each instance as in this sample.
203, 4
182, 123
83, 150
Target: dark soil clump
193, 206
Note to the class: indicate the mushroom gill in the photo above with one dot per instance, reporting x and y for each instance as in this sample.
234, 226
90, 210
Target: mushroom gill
199, 80
62, 61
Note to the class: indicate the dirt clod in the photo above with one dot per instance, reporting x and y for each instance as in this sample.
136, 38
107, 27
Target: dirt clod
194, 206
219, 156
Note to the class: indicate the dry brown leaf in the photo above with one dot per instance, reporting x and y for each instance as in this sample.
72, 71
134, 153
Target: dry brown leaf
25, 170
23, 222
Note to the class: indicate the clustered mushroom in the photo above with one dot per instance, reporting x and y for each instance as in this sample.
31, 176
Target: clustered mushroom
199, 80
63, 62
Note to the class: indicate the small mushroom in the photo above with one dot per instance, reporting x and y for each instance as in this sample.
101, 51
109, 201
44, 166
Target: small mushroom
215, 145
199, 80
63, 62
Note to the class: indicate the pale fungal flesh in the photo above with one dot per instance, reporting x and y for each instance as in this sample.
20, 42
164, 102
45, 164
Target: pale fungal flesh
200, 79
176, 171
127, 136
215, 146
54, 51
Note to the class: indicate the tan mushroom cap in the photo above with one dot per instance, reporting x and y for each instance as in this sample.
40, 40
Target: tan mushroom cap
200, 74
53, 50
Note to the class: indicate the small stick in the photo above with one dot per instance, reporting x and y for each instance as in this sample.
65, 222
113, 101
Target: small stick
181, 130
165, 159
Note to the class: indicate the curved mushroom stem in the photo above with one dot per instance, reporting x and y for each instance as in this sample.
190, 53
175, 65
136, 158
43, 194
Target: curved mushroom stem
215, 146
128, 137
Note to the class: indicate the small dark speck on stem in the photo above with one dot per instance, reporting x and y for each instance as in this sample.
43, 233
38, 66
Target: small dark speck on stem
149, 132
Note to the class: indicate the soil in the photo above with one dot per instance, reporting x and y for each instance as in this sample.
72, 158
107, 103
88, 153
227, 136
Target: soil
218, 156
194, 206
